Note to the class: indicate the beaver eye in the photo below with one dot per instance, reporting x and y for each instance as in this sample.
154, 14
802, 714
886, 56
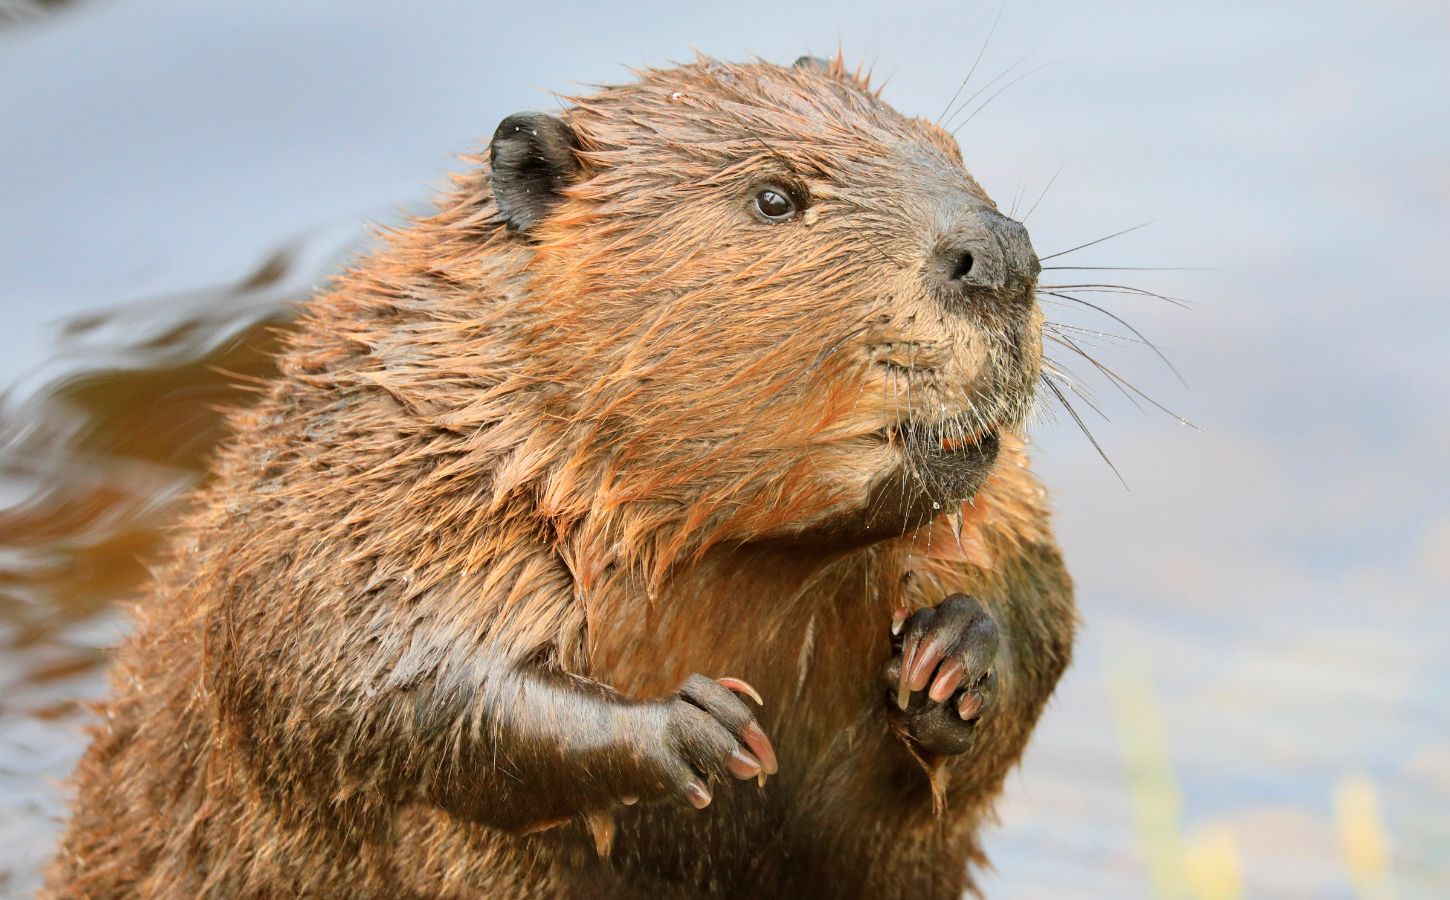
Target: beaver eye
773, 205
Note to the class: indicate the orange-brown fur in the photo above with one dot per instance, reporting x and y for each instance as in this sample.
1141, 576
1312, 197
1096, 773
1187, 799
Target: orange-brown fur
589, 452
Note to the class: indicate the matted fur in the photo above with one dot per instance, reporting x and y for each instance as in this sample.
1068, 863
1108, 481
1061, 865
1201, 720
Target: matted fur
589, 452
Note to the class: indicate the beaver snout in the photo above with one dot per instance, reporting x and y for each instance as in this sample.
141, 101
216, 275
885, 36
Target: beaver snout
984, 255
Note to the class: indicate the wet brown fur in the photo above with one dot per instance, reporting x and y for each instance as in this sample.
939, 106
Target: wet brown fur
589, 452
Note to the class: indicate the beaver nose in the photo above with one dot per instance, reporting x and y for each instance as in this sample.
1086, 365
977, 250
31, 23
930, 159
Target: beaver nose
984, 252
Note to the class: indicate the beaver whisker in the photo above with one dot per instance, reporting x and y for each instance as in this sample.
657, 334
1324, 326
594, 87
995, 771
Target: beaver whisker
1066, 379
1126, 269
1123, 322
1117, 379
1045, 189
1091, 332
998, 93
1131, 399
1016, 199
1082, 426
1008, 71
1098, 241
1117, 289
970, 72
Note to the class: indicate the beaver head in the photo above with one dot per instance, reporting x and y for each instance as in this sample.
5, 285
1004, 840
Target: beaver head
764, 303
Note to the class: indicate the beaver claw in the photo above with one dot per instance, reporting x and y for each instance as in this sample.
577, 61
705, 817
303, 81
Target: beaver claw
940, 677
709, 732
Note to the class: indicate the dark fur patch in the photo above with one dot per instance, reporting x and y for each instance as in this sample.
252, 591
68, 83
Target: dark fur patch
533, 159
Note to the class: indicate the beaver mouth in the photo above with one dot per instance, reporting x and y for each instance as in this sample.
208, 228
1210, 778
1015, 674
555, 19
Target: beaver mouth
923, 441
946, 462
939, 466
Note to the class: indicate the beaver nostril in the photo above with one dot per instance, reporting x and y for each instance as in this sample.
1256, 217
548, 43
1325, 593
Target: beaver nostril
963, 267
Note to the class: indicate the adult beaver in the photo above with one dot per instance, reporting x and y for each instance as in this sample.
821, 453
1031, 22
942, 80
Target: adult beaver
715, 374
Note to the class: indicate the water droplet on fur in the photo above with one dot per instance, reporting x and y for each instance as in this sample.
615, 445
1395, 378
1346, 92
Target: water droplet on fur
935, 505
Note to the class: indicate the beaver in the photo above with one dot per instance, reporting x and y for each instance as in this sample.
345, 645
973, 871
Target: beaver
681, 444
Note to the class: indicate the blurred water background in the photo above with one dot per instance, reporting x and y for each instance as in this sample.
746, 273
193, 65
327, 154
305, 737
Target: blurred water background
1259, 704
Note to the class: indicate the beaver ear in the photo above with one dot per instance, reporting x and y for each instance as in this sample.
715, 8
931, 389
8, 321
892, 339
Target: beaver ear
533, 158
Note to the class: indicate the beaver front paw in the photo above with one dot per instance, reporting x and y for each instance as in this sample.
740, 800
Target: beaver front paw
703, 732
941, 680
